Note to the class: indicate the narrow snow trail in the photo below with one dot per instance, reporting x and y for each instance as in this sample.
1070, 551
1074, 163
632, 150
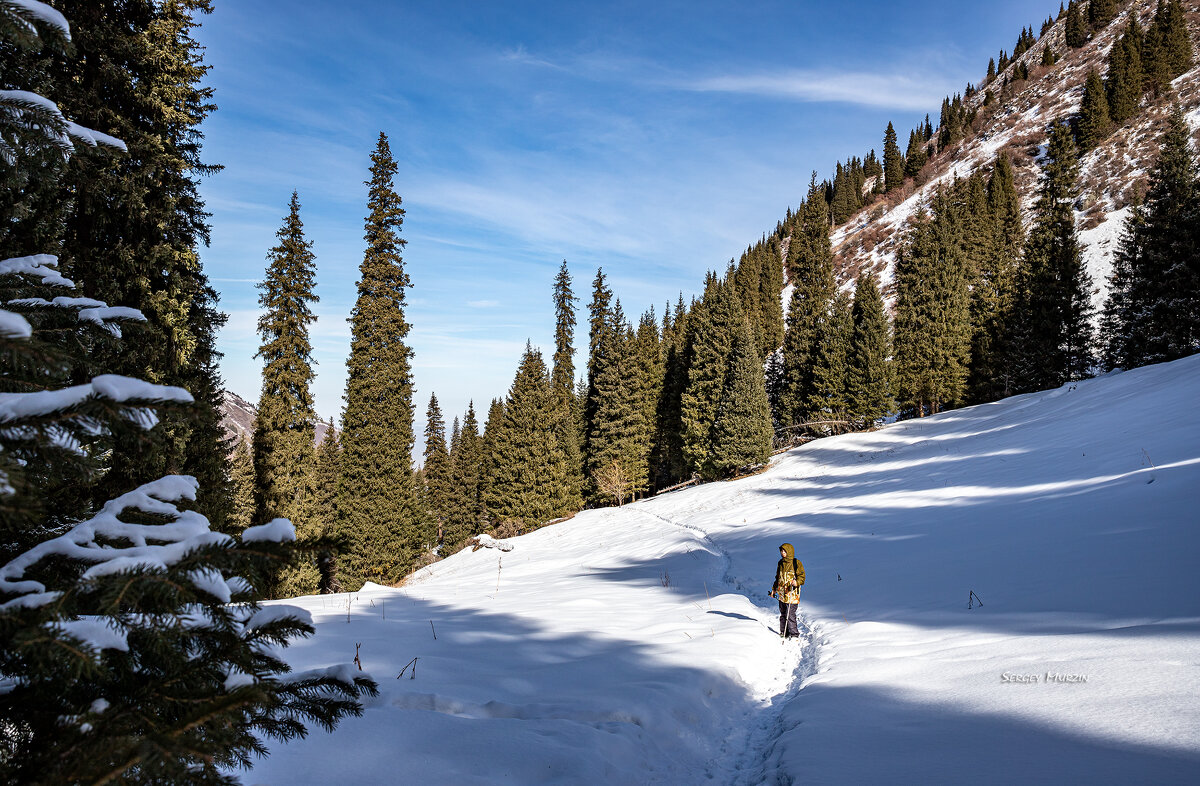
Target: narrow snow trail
638, 645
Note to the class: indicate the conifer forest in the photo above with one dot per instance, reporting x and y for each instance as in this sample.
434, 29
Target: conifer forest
141, 544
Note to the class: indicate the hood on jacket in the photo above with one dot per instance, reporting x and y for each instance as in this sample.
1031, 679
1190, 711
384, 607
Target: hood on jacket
788, 551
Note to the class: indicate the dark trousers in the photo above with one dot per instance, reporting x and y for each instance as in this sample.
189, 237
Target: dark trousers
787, 619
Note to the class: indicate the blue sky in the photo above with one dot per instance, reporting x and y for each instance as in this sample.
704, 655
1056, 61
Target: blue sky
654, 139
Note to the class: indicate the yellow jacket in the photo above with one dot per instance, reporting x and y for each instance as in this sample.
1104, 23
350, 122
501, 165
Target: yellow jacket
789, 576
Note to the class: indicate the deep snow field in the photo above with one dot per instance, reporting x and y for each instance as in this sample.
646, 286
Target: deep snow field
638, 645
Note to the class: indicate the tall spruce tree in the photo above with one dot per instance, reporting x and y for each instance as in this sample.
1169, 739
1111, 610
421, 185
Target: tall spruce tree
830, 374
1077, 29
377, 499
932, 333
529, 468
868, 379
242, 481
285, 420
1153, 310
893, 161
134, 225
1101, 12
323, 513
437, 472
810, 262
1054, 332
465, 515
742, 431
562, 383
713, 323
1093, 124
1124, 78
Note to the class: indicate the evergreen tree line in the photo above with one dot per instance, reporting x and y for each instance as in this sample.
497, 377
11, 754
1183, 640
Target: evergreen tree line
133, 646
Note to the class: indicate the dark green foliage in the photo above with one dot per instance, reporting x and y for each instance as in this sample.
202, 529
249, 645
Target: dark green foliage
916, 157
1077, 29
241, 477
1124, 78
932, 327
667, 462
991, 70
135, 222
376, 491
284, 422
1176, 41
562, 382
994, 252
193, 684
465, 514
1054, 334
742, 431
1153, 310
322, 514
1093, 124
437, 472
830, 373
1101, 12
956, 119
868, 378
893, 161
810, 265
712, 325
528, 467
1049, 56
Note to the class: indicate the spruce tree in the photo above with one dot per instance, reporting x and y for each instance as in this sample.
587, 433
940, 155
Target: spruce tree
323, 512
1124, 78
1156, 60
1077, 31
242, 480
377, 499
830, 374
893, 161
667, 461
437, 472
1101, 12
528, 466
284, 422
810, 261
1153, 310
135, 223
1054, 307
993, 287
932, 333
1174, 38
769, 289
1093, 124
915, 158
741, 432
465, 514
562, 382
713, 324
868, 378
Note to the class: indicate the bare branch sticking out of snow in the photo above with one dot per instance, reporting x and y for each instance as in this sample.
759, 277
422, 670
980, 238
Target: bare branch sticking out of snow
488, 542
275, 531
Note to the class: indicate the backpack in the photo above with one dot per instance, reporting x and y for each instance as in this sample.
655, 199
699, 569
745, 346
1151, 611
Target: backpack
798, 569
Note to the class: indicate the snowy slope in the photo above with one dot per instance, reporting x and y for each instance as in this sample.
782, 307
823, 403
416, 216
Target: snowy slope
636, 645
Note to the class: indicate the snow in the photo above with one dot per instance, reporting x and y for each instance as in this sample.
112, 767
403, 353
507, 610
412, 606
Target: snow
638, 645
486, 541
14, 406
44, 13
1099, 246
14, 325
44, 266
274, 531
151, 546
95, 633
16, 99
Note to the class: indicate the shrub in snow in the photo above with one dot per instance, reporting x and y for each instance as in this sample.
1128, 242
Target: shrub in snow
132, 644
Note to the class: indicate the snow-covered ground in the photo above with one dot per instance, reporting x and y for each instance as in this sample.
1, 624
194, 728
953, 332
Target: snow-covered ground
637, 645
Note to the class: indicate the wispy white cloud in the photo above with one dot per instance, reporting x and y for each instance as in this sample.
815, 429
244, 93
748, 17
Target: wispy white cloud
483, 303
888, 91
521, 55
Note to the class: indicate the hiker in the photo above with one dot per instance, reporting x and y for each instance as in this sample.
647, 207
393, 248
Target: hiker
789, 577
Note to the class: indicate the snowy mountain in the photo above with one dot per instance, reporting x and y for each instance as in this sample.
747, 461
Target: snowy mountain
1008, 592
237, 418
1111, 175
